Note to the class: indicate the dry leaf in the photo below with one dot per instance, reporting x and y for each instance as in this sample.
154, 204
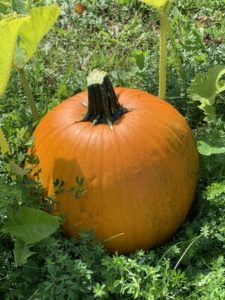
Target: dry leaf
79, 8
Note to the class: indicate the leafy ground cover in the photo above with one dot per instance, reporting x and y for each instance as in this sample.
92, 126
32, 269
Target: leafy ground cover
121, 37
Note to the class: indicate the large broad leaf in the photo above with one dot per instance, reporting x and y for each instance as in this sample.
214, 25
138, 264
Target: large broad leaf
9, 29
32, 32
31, 225
205, 87
21, 252
156, 3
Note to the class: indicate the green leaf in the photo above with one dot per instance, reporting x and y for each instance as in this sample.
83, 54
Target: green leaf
31, 225
12, 166
17, 170
3, 7
215, 190
3, 206
155, 3
32, 32
19, 58
205, 87
207, 149
123, 2
21, 252
139, 57
19, 6
9, 29
214, 143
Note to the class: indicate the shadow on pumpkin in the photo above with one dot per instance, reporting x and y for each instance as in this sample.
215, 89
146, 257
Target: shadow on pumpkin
74, 199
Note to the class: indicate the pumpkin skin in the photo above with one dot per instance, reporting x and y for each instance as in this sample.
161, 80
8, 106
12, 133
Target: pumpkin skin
140, 177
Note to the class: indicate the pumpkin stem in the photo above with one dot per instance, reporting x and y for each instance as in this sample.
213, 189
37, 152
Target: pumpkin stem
103, 104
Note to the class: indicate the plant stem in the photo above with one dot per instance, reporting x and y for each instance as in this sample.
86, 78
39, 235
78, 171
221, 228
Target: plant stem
186, 250
163, 51
29, 94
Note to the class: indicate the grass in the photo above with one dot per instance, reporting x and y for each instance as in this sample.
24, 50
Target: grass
120, 37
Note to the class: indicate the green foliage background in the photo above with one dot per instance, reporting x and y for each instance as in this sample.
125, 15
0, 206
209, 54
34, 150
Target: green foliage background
121, 37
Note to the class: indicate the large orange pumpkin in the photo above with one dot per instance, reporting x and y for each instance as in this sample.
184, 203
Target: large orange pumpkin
138, 158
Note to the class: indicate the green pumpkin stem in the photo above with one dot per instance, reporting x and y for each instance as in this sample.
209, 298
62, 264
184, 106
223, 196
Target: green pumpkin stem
103, 104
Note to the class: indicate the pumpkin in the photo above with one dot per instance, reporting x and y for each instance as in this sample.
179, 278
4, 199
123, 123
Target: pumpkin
137, 156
